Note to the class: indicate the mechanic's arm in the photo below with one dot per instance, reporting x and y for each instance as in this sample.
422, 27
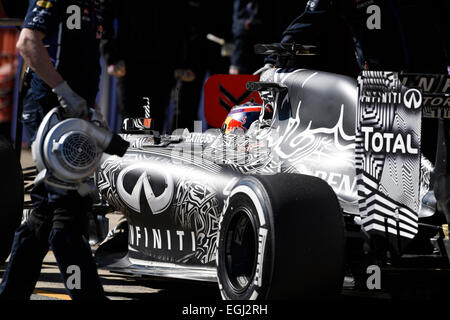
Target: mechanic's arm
34, 53
32, 49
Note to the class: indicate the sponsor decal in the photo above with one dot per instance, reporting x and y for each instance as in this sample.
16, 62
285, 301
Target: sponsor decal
42, 12
437, 101
388, 104
44, 4
137, 179
38, 19
388, 142
412, 99
232, 124
262, 236
343, 184
383, 97
435, 90
430, 112
160, 239
428, 83
200, 138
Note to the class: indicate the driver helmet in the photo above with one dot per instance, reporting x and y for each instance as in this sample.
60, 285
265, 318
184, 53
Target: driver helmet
241, 117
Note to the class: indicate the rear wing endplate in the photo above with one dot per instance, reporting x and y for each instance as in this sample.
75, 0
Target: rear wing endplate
388, 133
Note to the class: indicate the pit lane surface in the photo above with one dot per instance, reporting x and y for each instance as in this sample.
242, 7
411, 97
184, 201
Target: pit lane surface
119, 287
126, 287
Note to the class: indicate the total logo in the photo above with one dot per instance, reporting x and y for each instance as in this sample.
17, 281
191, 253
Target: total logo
388, 142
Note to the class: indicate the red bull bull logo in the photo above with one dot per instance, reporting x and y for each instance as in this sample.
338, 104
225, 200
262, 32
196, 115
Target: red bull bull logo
241, 117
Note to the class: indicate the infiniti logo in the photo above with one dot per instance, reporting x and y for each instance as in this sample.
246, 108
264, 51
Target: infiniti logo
158, 203
412, 99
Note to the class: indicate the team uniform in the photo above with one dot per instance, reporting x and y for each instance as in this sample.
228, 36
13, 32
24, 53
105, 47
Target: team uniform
382, 34
72, 43
72, 31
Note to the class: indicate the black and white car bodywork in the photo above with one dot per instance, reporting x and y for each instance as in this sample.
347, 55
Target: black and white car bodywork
339, 158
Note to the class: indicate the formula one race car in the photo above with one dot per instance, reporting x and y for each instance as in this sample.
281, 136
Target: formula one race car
319, 177
328, 181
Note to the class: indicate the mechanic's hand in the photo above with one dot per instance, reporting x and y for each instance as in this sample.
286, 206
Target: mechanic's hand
266, 67
118, 69
72, 105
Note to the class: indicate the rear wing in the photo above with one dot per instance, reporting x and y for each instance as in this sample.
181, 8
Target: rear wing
390, 110
388, 133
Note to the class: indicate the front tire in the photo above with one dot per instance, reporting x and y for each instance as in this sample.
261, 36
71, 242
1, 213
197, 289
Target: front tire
11, 195
281, 237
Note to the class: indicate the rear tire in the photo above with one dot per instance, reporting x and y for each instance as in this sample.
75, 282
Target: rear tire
281, 237
11, 195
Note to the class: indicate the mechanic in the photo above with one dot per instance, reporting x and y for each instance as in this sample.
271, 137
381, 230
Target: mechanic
60, 43
411, 36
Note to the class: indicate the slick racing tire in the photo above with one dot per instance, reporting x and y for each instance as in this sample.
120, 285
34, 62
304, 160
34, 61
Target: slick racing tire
11, 196
281, 237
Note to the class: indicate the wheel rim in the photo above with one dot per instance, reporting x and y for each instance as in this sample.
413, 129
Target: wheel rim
241, 250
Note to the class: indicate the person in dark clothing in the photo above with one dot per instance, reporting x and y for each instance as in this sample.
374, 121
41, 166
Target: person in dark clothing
142, 45
258, 21
60, 43
409, 37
